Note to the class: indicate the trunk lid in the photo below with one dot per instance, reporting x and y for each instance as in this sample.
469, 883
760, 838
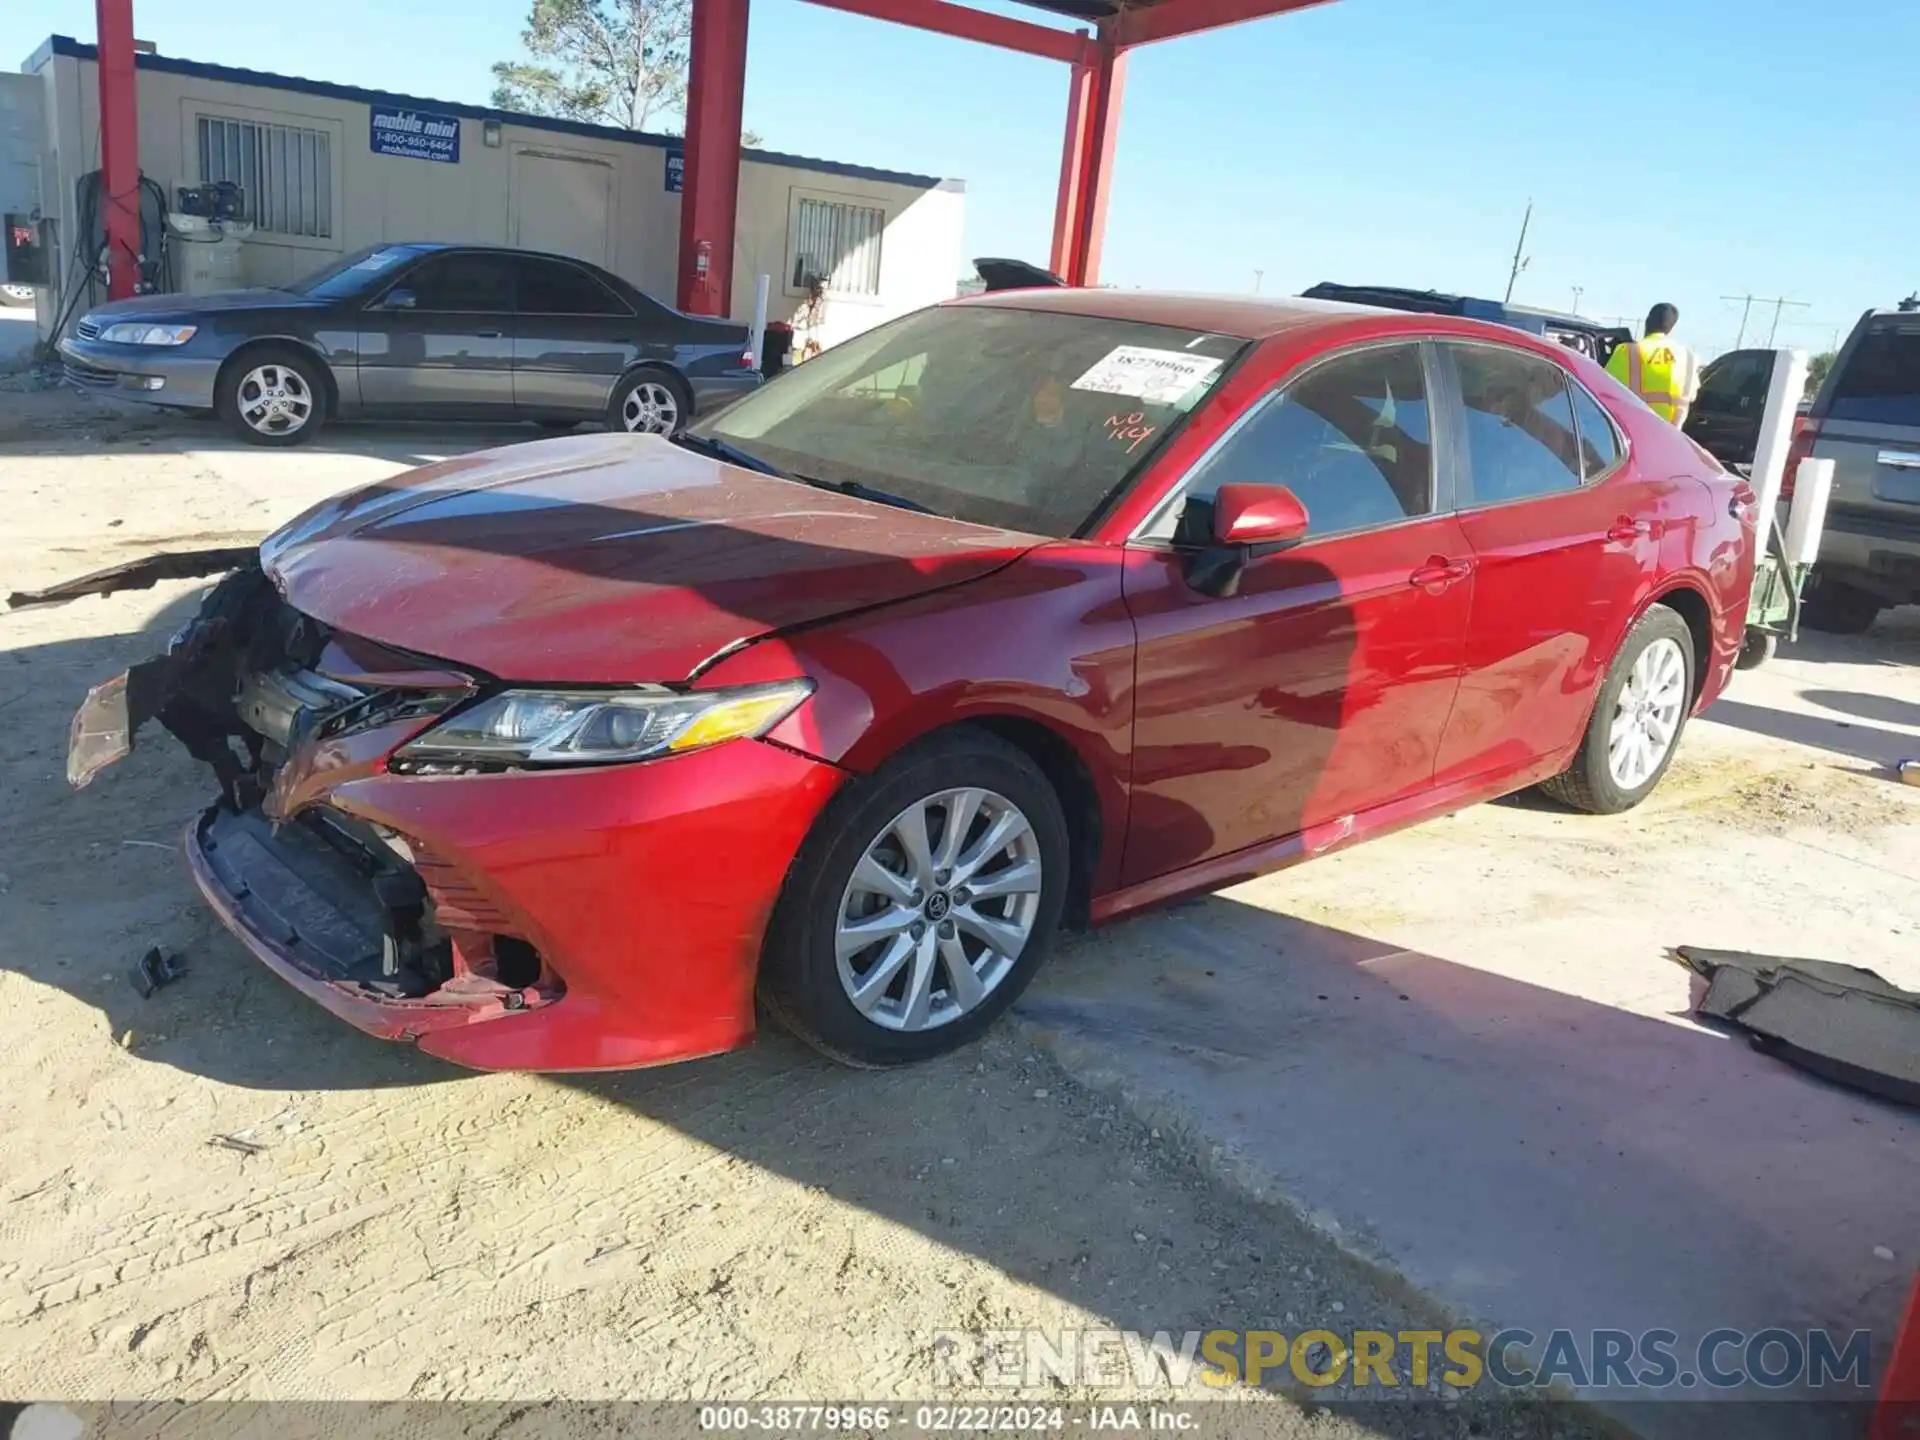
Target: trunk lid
607, 559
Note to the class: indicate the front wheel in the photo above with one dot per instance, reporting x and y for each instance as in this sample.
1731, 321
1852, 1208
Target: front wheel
921, 905
1637, 719
273, 397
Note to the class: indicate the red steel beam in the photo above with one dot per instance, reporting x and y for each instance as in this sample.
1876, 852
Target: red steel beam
966, 23
1086, 164
716, 89
1171, 19
119, 144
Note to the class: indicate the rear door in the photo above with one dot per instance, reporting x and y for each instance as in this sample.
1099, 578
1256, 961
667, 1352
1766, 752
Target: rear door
1870, 428
1565, 535
573, 337
438, 341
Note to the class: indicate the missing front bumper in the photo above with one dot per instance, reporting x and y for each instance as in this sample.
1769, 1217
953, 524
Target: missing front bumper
348, 923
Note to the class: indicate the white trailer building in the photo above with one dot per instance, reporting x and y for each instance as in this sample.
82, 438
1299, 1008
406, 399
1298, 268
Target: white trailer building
326, 169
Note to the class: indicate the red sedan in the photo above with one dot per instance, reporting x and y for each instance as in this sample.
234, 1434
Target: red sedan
1031, 609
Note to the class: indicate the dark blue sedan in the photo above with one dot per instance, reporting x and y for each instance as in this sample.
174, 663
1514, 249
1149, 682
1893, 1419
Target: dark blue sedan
418, 331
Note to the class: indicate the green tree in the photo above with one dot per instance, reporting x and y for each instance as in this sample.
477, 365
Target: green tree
609, 62
1817, 369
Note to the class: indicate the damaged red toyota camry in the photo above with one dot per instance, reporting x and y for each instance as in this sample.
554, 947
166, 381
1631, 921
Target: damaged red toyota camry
1023, 611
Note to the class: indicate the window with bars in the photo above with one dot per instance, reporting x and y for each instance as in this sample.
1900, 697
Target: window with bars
285, 172
838, 244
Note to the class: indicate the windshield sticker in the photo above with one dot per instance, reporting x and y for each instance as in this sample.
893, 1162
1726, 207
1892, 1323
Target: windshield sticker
1157, 377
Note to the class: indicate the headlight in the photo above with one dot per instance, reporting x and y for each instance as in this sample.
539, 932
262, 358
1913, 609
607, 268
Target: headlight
600, 727
139, 332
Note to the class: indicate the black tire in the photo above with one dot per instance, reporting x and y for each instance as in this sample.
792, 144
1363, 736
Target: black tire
1588, 784
1839, 608
799, 979
237, 394
666, 380
1756, 649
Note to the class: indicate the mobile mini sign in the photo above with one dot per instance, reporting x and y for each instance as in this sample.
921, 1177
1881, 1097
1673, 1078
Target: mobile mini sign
416, 134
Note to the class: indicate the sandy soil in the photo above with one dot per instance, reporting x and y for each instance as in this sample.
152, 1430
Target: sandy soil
758, 1225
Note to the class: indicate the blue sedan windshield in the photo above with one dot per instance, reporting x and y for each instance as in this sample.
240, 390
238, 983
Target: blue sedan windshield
355, 273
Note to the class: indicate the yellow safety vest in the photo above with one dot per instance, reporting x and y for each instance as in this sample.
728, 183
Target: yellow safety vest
1650, 368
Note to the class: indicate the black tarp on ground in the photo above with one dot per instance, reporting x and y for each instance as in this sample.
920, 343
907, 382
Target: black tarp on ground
1837, 1021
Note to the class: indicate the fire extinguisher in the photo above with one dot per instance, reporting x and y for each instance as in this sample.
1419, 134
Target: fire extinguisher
702, 262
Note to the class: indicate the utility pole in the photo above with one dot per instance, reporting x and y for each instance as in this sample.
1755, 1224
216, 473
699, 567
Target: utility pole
1779, 303
1578, 291
1256, 280
1519, 263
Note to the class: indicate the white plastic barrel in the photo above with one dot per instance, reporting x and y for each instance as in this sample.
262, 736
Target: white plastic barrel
1812, 488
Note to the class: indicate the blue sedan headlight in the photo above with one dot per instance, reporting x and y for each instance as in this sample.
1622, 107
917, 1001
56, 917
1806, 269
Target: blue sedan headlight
141, 332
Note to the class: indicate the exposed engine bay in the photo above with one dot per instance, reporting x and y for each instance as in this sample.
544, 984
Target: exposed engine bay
274, 702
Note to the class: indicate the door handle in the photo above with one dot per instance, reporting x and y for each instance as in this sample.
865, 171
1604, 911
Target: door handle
489, 335
1900, 459
1625, 531
1439, 573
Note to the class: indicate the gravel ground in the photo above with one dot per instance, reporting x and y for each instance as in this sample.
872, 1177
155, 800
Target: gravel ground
761, 1225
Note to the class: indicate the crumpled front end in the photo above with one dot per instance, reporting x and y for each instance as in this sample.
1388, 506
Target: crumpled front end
599, 917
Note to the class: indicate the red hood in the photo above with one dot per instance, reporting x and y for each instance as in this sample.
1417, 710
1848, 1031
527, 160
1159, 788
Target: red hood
599, 559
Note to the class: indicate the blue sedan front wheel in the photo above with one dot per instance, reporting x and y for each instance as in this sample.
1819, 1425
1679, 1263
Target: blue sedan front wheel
273, 396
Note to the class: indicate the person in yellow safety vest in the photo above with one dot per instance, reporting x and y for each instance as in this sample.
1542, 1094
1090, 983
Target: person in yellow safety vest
1659, 369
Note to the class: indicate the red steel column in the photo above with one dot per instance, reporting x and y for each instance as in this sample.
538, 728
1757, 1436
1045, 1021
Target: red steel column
716, 87
119, 145
1086, 162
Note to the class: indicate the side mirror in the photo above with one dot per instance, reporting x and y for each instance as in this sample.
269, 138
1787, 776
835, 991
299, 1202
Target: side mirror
399, 298
1243, 516
1257, 515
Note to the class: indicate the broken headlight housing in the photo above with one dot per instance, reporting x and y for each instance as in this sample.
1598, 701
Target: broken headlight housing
598, 727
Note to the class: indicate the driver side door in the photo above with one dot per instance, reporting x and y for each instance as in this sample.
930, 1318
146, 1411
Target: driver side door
1322, 687
439, 340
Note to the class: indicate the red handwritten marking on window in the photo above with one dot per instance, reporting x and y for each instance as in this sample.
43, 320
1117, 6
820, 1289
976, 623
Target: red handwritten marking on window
1132, 427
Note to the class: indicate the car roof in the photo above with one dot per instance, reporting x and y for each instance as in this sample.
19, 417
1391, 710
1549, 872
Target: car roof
1246, 317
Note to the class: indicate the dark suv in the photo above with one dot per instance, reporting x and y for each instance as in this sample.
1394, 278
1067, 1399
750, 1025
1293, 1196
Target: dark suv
1866, 419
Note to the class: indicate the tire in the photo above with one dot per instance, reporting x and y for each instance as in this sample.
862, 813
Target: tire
810, 987
275, 395
1839, 608
650, 402
1756, 649
1599, 783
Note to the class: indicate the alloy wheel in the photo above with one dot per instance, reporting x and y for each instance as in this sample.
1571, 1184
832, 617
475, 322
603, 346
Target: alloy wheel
1646, 716
650, 409
938, 909
275, 400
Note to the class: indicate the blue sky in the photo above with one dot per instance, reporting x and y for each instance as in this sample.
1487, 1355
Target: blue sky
1682, 151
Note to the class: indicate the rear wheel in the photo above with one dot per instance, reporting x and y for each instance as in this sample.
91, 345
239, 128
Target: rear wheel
650, 402
1839, 608
921, 905
1637, 719
273, 396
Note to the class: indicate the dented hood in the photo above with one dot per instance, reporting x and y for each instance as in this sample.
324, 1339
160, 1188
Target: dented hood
601, 559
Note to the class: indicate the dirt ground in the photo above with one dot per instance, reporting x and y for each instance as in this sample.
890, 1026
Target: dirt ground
758, 1225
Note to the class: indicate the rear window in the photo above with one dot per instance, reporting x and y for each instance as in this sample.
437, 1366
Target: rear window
1881, 380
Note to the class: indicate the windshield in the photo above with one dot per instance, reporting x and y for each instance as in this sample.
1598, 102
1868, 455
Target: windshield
1018, 418
351, 274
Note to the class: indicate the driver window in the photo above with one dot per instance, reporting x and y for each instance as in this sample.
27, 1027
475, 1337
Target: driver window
1351, 438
